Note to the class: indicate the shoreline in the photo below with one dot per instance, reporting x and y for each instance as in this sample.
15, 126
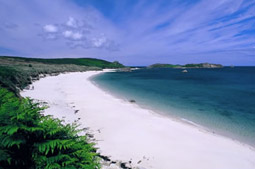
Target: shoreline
67, 98
164, 115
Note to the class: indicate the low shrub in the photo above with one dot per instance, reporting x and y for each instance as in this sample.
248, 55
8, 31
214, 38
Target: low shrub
30, 140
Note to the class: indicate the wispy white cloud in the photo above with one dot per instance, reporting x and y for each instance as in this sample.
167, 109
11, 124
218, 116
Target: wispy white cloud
72, 35
140, 33
99, 41
50, 28
78, 33
72, 22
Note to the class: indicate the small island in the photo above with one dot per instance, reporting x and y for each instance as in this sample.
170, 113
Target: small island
198, 65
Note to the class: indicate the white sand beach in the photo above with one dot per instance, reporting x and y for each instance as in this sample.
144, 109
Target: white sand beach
127, 132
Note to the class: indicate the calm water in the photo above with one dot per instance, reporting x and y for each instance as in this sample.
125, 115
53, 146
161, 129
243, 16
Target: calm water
222, 100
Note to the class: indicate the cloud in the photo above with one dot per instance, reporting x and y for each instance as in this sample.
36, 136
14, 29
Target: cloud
98, 42
72, 35
50, 28
78, 33
67, 34
191, 29
137, 32
71, 22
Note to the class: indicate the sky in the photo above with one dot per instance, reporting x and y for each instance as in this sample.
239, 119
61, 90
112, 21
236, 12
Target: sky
133, 32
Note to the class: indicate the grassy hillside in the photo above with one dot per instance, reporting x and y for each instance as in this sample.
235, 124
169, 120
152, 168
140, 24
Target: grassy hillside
75, 61
16, 73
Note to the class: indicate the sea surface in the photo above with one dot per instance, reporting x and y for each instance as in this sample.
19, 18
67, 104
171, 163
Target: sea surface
220, 100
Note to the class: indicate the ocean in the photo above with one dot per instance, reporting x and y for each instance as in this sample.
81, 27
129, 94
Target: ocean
221, 100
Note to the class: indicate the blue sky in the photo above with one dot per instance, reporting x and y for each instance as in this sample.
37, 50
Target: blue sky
134, 32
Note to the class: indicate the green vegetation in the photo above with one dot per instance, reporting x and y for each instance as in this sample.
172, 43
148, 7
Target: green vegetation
199, 65
30, 140
75, 61
158, 65
194, 65
17, 73
12, 79
203, 65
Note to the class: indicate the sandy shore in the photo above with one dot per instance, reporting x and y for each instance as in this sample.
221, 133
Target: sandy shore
126, 132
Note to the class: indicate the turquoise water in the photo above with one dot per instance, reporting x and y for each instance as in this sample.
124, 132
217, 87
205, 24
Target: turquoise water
222, 100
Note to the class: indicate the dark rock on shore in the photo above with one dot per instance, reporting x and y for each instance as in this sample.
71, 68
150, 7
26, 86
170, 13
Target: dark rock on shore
132, 101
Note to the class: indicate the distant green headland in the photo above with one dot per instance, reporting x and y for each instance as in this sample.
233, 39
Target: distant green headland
199, 65
18, 72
